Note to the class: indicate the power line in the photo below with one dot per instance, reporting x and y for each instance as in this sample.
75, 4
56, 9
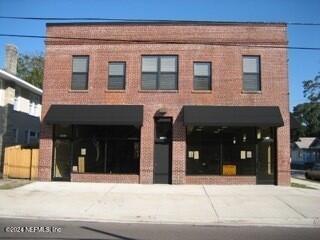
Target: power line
142, 20
110, 40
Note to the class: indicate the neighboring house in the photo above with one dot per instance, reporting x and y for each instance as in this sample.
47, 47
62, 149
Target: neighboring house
20, 107
166, 102
305, 152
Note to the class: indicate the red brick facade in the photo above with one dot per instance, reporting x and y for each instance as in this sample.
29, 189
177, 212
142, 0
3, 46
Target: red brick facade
196, 43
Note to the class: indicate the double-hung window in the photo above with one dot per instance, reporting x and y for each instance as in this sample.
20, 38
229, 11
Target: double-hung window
251, 73
80, 67
202, 76
116, 79
159, 73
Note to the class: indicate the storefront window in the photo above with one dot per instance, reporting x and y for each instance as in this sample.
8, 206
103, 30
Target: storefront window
226, 150
203, 151
102, 149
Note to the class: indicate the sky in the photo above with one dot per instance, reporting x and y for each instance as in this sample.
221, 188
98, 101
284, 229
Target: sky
303, 64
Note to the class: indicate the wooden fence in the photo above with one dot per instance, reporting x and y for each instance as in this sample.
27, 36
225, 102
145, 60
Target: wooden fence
21, 162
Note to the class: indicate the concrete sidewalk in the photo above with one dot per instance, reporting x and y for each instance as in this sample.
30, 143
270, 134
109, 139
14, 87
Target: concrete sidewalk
183, 204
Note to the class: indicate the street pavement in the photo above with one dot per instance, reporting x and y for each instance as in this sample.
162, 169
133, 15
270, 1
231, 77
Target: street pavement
298, 176
262, 205
125, 231
306, 182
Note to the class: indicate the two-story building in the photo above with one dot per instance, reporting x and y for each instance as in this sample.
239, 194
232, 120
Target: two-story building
20, 107
166, 102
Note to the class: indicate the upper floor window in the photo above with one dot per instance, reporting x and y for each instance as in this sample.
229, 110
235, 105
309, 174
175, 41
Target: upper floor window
33, 104
16, 102
116, 79
80, 67
159, 73
251, 73
202, 76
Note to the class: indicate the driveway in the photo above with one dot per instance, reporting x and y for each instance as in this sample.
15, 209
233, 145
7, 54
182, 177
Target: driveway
182, 204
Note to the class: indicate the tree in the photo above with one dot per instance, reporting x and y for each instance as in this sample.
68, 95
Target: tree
30, 68
312, 89
309, 113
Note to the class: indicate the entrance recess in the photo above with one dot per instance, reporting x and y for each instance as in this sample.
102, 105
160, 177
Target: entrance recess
162, 150
266, 162
61, 168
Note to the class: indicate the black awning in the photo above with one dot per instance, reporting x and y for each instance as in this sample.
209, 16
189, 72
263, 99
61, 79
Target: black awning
95, 114
236, 116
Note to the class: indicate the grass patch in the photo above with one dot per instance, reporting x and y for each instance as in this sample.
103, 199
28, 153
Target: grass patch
13, 184
298, 185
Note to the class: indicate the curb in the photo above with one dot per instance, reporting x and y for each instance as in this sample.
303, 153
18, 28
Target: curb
291, 223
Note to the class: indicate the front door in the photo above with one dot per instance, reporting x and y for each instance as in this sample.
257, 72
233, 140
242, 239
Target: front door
162, 150
62, 158
266, 163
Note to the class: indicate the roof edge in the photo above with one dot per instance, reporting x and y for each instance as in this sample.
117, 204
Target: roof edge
167, 22
21, 82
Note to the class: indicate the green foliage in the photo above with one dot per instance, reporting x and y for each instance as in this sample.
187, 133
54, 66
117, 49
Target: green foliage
30, 68
312, 89
308, 114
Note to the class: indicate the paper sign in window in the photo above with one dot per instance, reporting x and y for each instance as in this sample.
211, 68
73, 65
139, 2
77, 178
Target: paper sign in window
242, 154
249, 154
74, 168
190, 154
196, 154
83, 151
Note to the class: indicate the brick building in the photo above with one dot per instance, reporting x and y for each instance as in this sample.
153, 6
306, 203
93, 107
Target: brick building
166, 102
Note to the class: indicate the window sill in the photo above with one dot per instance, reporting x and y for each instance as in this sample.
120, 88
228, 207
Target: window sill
158, 91
78, 91
202, 91
115, 91
251, 92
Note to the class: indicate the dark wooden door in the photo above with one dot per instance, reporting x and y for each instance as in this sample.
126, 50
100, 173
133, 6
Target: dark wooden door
62, 160
266, 163
162, 150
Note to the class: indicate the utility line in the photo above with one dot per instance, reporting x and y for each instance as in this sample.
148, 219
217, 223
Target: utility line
161, 42
144, 20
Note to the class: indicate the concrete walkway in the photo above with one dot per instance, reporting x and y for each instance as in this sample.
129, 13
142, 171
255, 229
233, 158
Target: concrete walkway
189, 204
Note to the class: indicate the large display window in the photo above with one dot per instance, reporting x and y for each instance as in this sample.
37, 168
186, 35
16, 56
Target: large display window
229, 150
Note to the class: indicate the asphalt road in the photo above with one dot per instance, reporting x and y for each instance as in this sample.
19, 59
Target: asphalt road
300, 174
121, 231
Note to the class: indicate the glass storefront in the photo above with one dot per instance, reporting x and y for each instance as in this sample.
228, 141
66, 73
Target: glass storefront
98, 149
229, 150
